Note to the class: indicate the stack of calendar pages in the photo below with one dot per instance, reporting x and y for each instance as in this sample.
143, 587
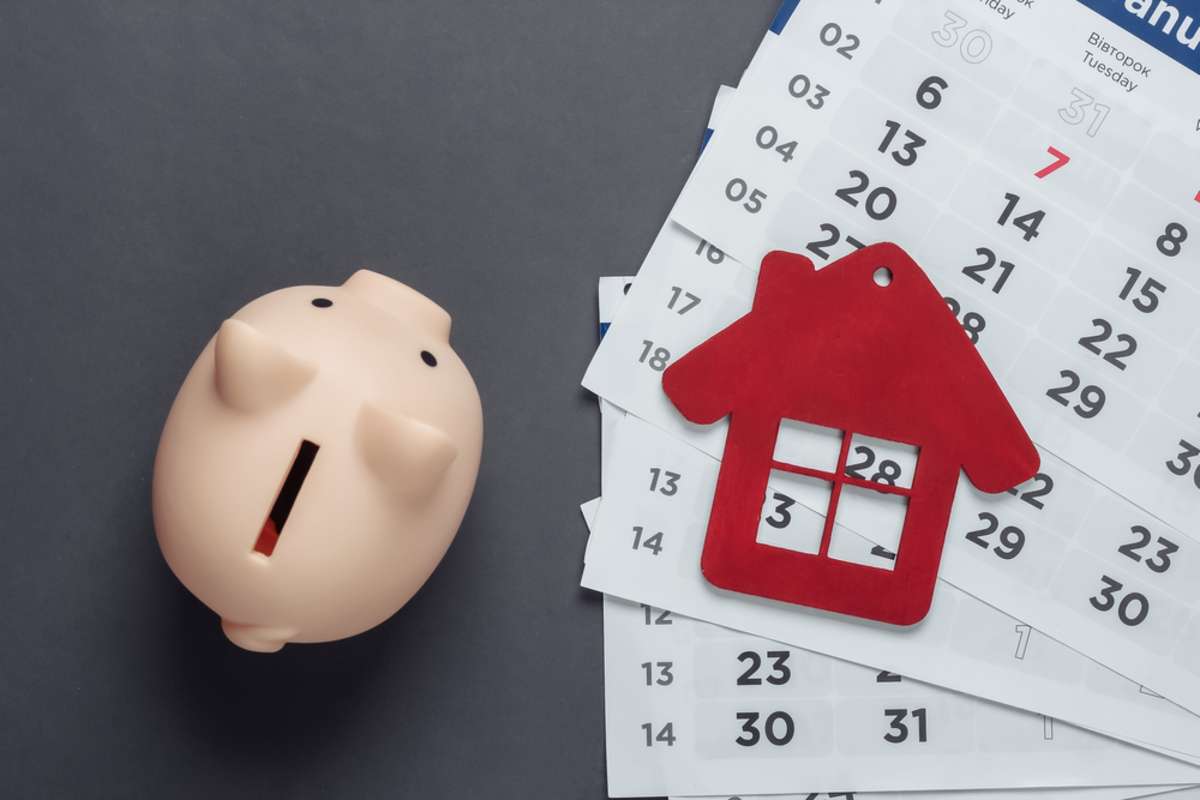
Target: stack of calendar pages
1041, 160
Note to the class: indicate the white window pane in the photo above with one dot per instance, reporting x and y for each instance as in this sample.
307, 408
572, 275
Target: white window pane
881, 461
790, 518
874, 515
805, 445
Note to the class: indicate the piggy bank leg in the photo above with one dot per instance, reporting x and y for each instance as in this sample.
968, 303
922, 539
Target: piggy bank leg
257, 638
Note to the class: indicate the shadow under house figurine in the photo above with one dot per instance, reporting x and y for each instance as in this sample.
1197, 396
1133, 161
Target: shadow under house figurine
864, 347
317, 461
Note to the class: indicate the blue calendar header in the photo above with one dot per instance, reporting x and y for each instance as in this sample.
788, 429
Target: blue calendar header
1173, 28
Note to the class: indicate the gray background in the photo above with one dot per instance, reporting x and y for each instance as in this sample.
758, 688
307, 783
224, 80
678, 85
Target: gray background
162, 163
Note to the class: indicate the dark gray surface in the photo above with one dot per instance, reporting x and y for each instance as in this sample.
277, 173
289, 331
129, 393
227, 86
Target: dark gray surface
163, 163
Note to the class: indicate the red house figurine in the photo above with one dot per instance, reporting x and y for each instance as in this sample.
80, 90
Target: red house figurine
865, 346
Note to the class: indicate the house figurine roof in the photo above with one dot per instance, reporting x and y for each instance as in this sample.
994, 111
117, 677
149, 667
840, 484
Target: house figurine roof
835, 348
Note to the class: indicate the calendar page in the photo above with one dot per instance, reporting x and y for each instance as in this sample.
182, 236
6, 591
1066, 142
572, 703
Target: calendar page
646, 545
1118, 592
1056, 206
1060, 520
692, 707
676, 664
1026, 552
664, 666
611, 293
1105, 793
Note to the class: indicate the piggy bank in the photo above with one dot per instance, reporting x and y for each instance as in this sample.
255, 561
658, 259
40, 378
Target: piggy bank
317, 461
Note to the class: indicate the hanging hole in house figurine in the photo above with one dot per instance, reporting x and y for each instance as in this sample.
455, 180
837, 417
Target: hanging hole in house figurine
883, 277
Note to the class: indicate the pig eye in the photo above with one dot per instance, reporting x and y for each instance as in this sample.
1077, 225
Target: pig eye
322, 302
428, 358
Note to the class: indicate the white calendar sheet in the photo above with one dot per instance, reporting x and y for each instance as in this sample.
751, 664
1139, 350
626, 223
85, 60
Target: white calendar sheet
620, 702
1105, 793
693, 707
964, 644
663, 666
1066, 555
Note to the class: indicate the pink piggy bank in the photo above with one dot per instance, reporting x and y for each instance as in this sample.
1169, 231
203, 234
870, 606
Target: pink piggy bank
317, 461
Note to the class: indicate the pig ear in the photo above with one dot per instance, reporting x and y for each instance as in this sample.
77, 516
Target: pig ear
409, 456
252, 372
401, 301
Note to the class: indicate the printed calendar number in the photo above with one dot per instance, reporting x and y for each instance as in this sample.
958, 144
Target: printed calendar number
778, 728
712, 254
832, 35
1028, 223
1170, 244
653, 616
974, 45
1009, 541
1023, 633
682, 301
1104, 331
929, 93
767, 138
738, 191
664, 481
659, 673
972, 322
1088, 403
1045, 485
653, 542
1132, 607
654, 357
906, 153
898, 727
882, 552
1149, 291
1083, 107
883, 676
1182, 465
1161, 561
819, 247
779, 672
976, 272
665, 734
888, 471
828, 796
801, 87
1061, 159
781, 517
879, 203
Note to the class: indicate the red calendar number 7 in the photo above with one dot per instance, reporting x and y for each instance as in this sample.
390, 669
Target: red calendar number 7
1060, 161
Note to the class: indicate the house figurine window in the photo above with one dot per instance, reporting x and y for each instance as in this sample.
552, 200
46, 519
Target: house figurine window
853, 404
814, 503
